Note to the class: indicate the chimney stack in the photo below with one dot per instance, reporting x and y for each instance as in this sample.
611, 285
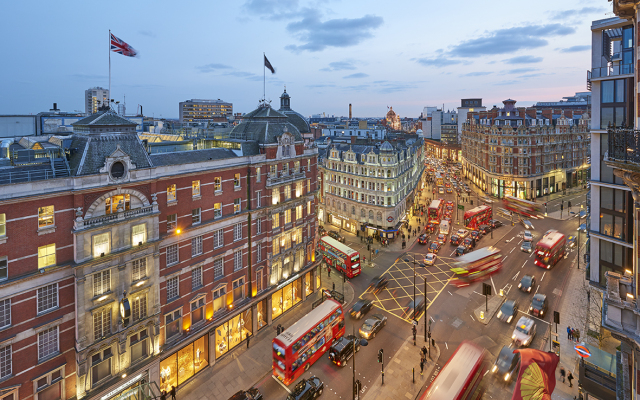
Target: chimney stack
350, 115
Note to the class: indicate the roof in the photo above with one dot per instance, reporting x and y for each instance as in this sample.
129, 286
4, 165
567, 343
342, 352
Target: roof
298, 120
550, 239
304, 324
189, 157
342, 247
601, 359
92, 151
265, 125
104, 118
478, 255
452, 378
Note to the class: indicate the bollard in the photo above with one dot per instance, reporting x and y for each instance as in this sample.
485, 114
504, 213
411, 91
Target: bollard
413, 371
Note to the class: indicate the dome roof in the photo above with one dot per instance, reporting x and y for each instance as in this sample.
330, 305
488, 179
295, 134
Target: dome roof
285, 94
391, 113
293, 117
265, 125
386, 146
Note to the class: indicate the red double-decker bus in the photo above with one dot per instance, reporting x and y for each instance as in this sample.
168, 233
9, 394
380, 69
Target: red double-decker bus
295, 349
527, 208
461, 377
476, 266
477, 216
550, 249
435, 211
339, 255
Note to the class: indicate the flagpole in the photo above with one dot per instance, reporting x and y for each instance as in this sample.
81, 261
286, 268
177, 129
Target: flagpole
109, 97
264, 78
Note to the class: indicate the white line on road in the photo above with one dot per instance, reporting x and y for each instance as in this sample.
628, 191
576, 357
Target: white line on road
452, 253
525, 263
432, 320
537, 289
493, 284
450, 293
445, 343
515, 276
505, 257
512, 250
543, 276
472, 317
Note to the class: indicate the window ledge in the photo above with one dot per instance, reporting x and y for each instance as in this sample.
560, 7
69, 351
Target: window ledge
46, 230
236, 188
172, 203
3, 239
49, 357
217, 193
198, 197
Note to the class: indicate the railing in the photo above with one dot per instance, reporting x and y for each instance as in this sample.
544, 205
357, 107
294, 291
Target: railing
25, 176
624, 145
611, 70
120, 216
291, 176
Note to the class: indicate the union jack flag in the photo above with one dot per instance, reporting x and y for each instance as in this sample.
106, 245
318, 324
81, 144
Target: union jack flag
121, 47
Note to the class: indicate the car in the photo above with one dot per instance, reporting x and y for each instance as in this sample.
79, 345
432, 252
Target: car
413, 309
447, 185
525, 332
430, 258
336, 236
475, 235
527, 247
527, 283
378, 284
469, 243
582, 228
466, 189
307, 389
455, 239
434, 247
527, 224
449, 190
360, 308
528, 237
430, 227
342, 349
448, 219
423, 239
372, 325
495, 223
508, 310
322, 231
440, 190
449, 207
449, 203
463, 233
571, 241
442, 238
507, 364
484, 229
461, 250
251, 394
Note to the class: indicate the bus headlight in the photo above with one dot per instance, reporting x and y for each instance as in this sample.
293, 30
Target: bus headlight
510, 318
507, 376
513, 336
495, 367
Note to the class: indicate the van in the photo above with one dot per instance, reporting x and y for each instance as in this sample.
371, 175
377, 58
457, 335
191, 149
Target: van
342, 350
444, 227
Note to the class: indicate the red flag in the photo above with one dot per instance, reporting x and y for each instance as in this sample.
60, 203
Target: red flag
121, 47
537, 376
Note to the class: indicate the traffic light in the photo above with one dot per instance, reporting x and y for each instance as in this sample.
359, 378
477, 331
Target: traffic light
556, 317
569, 204
486, 289
380, 355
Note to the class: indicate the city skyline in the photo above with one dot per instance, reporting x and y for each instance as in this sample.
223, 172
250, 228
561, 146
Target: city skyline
371, 57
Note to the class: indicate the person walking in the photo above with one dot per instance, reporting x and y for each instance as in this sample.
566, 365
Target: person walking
562, 373
421, 366
248, 339
576, 335
570, 378
329, 271
424, 352
569, 333
173, 392
163, 395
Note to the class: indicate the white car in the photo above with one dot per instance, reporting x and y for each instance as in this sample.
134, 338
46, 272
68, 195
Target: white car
462, 233
430, 259
525, 332
528, 237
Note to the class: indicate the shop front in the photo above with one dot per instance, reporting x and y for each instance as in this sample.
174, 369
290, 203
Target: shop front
286, 296
184, 363
231, 333
132, 389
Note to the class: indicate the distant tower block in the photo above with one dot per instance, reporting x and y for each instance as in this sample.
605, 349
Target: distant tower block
350, 111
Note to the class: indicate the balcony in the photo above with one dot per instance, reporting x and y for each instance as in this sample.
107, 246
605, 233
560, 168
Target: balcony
624, 149
620, 311
281, 177
81, 223
610, 70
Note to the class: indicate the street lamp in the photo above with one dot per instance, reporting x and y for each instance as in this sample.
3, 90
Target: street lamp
414, 285
363, 342
579, 230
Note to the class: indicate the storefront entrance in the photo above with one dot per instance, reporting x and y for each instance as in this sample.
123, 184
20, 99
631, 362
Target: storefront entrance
184, 363
233, 332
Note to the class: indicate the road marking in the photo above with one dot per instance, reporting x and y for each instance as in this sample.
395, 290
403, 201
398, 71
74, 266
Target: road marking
450, 293
472, 317
525, 263
505, 257
445, 343
512, 250
537, 289
493, 284
543, 276
515, 276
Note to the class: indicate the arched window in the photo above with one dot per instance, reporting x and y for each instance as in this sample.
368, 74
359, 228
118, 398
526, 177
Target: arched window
363, 213
379, 216
353, 210
370, 214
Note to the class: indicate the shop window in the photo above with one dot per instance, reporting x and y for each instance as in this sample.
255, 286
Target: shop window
238, 289
138, 234
117, 203
308, 283
183, 364
237, 205
48, 343
195, 188
196, 216
219, 296
138, 269
172, 326
218, 238
217, 184
45, 217
101, 283
172, 222
172, 254
197, 311
47, 256
47, 298
237, 231
139, 346
5, 361
171, 193
101, 366
218, 268
172, 288
232, 333
101, 323
217, 210
196, 246
49, 386
139, 307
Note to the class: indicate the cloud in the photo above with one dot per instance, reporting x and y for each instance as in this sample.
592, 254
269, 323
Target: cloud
339, 66
575, 49
532, 75
212, 67
520, 70
321, 85
147, 33
356, 75
90, 76
566, 14
510, 40
357, 87
479, 73
437, 62
273, 9
317, 35
523, 60
508, 82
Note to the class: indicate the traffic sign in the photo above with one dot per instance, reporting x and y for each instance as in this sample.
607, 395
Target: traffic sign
582, 351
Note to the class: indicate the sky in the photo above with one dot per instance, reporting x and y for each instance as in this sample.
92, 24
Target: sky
372, 54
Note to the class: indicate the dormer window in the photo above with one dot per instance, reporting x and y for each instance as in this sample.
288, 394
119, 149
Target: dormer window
117, 203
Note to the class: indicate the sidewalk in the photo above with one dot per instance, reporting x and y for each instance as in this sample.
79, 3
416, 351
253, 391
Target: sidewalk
398, 374
243, 367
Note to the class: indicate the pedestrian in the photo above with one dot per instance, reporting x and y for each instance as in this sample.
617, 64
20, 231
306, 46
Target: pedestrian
173, 392
334, 286
279, 329
421, 366
569, 333
328, 270
248, 339
562, 373
163, 395
576, 335
424, 352
570, 378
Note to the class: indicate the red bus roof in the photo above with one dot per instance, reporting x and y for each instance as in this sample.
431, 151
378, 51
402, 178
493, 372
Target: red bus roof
477, 255
304, 324
551, 239
476, 210
339, 246
436, 203
519, 200
457, 373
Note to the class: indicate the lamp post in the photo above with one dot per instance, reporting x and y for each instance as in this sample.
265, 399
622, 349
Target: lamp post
363, 342
414, 285
579, 230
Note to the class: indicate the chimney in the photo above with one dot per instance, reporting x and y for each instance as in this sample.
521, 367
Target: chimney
350, 115
55, 107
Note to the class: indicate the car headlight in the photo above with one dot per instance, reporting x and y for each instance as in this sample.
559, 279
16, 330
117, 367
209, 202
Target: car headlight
519, 285
495, 367
528, 290
541, 312
510, 318
525, 341
513, 336
530, 308
507, 376
499, 314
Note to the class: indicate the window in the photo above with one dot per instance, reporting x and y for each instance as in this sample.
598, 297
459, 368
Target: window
298, 189
3, 224
195, 188
275, 220
217, 184
47, 343
139, 346
218, 299
117, 203
285, 169
172, 254
613, 218
196, 278
236, 205
102, 323
238, 289
138, 234
259, 252
309, 209
287, 192
139, 269
172, 324
613, 107
101, 365
258, 227
237, 231
308, 164
172, 287
171, 193
287, 216
3, 268
308, 185
218, 268
101, 283
5, 313
101, 244
258, 176
139, 308
5, 361
172, 222
218, 238
47, 298
196, 246
259, 198
237, 260
275, 195
275, 244
195, 216
197, 311
299, 212
259, 281
47, 256
45, 217
236, 181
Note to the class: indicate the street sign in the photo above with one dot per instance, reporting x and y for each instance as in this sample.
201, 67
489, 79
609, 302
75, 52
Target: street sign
460, 206
415, 323
582, 351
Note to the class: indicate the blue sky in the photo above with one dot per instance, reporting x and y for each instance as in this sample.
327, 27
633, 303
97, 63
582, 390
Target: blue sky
373, 54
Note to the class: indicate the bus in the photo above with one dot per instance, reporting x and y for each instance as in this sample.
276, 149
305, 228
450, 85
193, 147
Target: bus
339, 255
435, 211
476, 266
477, 216
527, 208
439, 179
550, 249
295, 349
461, 378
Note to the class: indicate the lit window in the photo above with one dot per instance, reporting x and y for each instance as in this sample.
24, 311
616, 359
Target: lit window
45, 216
195, 216
217, 210
236, 205
275, 220
172, 222
117, 203
299, 212
217, 184
47, 343
172, 254
197, 311
171, 193
236, 181
195, 188
102, 323
275, 194
258, 176
287, 192
298, 189
309, 207
308, 185
196, 246
138, 234
3, 224
172, 288
273, 170
287, 216
285, 169
46, 256
101, 244
101, 282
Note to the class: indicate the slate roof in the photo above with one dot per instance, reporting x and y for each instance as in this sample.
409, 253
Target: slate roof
92, 151
192, 156
265, 125
104, 118
298, 120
